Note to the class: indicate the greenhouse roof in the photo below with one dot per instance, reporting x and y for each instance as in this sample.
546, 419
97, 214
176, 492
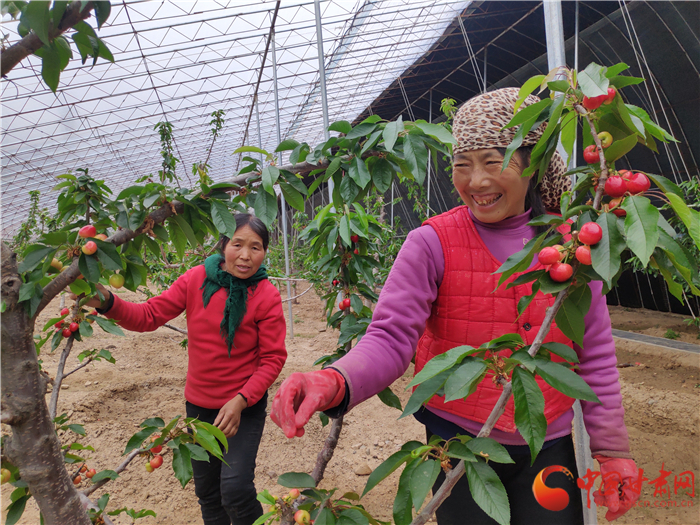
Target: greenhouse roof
181, 61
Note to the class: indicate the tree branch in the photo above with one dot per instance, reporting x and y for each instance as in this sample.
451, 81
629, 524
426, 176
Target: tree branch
59, 377
327, 451
120, 468
14, 54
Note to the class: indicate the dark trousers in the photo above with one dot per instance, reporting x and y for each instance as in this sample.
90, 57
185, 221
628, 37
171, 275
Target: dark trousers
517, 478
227, 492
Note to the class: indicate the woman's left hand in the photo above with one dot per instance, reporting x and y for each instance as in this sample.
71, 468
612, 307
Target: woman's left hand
229, 416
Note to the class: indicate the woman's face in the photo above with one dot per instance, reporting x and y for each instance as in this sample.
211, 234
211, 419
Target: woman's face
491, 195
244, 253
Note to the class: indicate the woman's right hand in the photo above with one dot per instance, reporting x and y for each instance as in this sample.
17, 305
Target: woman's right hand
303, 394
95, 301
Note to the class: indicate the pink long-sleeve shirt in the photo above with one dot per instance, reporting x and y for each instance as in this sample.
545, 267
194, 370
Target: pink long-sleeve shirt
384, 353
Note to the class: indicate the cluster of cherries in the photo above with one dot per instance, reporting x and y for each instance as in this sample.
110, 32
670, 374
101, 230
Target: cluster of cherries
88, 232
355, 239
625, 182
551, 257
345, 303
89, 473
67, 328
156, 461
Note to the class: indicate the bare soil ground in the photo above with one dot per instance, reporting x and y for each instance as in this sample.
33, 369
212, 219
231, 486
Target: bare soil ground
660, 396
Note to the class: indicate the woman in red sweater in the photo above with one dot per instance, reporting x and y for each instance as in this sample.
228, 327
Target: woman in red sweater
236, 332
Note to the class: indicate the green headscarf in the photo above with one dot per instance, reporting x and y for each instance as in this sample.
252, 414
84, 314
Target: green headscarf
237, 300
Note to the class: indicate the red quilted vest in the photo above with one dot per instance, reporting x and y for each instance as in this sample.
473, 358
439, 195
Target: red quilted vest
468, 312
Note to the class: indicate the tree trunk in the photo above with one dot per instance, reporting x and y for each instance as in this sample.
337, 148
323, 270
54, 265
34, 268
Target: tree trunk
33, 446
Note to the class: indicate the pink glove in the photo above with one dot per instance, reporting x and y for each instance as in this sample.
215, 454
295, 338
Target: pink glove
301, 395
617, 492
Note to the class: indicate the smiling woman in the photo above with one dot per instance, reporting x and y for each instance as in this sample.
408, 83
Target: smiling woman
236, 332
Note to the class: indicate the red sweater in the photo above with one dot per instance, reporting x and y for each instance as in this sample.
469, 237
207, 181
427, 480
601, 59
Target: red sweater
258, 353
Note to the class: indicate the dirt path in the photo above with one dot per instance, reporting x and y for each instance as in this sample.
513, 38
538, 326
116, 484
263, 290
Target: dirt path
660, 398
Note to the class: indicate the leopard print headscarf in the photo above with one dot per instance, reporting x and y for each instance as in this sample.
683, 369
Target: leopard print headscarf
478, 125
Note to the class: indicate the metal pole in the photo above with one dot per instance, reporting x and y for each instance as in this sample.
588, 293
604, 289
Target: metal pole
284, 204
486, 50
322, 82
430, 119
556, 56
572, 160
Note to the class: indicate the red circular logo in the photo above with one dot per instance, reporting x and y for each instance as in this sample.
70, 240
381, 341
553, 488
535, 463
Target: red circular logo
551, 498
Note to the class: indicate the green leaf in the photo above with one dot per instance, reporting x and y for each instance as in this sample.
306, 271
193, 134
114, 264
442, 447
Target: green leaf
296, 480
251, 149
286, 145
108, 255
182, 464
385, 469
424, 392
270, 174
390, 399
131, 190
325, 517
109, 326
665, 184
562, 350
341, 126
529, 114
348, 190
606, 254
488, 491
37, 16
465, 379
85, 329
527, 88
391, 133
494, 450
459, 450
416, 156
358, 172
223, 218
89, 267
641, 227
529, 410
187, 230
265, 207
437, 131
292, 196
352, 517
422, 480
178, 238
690, 218
16, 508
570, 317
137, 439
262, 519
566, 381
102, 10
593, 81
360, 130
620, 148
521, 260
440, 363
33, 258
382, 174
345, 233
403, 503
104, 474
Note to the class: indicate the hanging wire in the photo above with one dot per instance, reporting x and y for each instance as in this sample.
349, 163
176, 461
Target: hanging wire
479, 77
631, 30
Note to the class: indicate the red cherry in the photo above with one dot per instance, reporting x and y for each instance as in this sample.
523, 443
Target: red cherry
94, 312
67, 333
354, 238
638, 183
590, 155
73, 327
77, 479
549, 255
59, 324
156, 462
356, 252
625, 174
156, 449
614, 206
594, 102
590, 233
90, 473
610, 96
346, 302
561, 272
87, 231
615, 186
64, 311
583, 254
620, 212
335, 282
341, 305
